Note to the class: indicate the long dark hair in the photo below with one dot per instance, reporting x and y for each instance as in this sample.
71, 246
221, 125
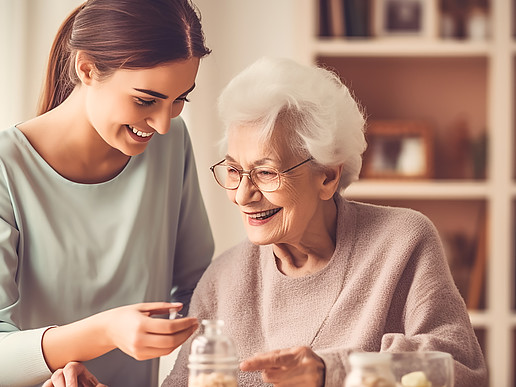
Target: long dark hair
121, 34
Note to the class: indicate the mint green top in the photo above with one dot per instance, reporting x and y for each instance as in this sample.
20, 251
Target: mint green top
70, 250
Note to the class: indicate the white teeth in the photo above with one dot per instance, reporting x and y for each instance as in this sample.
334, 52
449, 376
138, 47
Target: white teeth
264, 214
139, 133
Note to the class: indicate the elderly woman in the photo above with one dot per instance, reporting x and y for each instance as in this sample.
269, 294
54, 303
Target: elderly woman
319, 276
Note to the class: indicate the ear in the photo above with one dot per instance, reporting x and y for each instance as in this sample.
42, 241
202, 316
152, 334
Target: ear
330, 182
84, 68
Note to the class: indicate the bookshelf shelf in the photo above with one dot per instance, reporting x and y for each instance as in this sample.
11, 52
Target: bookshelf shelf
368, 189
343, 47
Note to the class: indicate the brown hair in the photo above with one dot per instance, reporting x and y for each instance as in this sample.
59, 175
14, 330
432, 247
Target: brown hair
121, 34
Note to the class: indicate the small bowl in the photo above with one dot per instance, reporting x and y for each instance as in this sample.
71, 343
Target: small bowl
436, 366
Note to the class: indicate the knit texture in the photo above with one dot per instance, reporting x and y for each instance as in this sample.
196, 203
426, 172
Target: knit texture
387, 287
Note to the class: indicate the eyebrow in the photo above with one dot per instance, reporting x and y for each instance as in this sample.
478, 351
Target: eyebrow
257, 162
160, 95
153, 93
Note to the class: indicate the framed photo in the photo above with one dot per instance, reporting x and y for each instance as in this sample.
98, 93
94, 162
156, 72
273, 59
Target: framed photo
405, 18
398, 149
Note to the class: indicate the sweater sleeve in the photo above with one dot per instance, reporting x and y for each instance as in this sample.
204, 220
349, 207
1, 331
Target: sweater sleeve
433, 313
21, 356
195, 245
336, 366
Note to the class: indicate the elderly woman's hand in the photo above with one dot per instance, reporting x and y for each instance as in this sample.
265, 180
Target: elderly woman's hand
298, 366
74, 374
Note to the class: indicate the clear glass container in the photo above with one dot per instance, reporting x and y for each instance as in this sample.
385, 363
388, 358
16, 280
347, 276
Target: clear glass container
213, 361
423, 369
370, 369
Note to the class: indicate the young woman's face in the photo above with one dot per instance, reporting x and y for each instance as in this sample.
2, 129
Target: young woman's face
282, 216
131, 106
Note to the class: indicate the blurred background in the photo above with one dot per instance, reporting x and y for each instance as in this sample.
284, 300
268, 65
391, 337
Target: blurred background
436, 80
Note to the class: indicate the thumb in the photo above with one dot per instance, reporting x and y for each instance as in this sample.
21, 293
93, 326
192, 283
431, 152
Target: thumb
151, 308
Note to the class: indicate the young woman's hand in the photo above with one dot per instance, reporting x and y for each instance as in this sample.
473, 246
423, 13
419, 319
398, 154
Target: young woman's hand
135, 331
74, 374
132, 328
298, 366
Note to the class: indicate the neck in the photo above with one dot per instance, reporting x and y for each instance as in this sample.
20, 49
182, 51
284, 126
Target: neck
314, 250
67, 141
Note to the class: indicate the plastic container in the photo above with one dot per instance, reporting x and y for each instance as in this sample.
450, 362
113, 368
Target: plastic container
423, 369
213, 361
370, 369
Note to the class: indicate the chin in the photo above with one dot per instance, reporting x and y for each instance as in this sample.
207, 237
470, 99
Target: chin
132, 151
260, 240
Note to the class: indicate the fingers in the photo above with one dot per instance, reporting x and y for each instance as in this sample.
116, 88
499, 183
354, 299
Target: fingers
152, 308
74, 374
57, 379
298, 366
71, 373
161, 326
158, 337
274, 359
166, 343
136, 332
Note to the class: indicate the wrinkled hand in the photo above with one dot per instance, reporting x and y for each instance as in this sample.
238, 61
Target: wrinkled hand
74, 374
298, 366
134, 331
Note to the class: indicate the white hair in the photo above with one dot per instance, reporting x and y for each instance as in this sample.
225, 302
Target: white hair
322, 118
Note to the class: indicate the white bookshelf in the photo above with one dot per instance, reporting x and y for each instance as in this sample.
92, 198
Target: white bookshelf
495, 195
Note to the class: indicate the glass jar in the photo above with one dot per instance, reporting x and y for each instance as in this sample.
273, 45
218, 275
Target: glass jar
213, 361
370, 369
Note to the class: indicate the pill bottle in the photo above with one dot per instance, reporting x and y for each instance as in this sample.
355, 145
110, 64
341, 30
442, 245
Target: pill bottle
213, 361
370, 369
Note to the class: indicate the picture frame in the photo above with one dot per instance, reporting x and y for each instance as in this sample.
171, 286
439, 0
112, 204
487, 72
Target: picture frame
398, 149
405, 18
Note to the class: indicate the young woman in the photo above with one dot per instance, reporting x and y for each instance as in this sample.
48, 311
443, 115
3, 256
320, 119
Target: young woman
102, 224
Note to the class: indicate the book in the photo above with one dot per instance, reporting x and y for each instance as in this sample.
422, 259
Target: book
358, 15
337, 17
324, 22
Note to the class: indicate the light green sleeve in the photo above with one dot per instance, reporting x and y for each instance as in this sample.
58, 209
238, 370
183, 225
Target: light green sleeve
22, 354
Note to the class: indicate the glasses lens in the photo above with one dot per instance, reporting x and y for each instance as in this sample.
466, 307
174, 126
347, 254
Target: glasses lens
226, 176
267, 179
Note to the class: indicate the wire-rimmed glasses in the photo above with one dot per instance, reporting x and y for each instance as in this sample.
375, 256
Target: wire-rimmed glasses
266, 179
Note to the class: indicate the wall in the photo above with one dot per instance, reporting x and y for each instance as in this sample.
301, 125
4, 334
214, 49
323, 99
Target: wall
27, 29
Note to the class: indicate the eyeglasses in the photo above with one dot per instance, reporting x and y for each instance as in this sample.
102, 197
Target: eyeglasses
266, 179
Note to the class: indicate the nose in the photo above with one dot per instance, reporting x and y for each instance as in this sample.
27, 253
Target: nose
247, 191
159, 120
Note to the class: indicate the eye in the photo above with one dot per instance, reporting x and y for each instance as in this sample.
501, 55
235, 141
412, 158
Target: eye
265, 174
144, 102
231, 171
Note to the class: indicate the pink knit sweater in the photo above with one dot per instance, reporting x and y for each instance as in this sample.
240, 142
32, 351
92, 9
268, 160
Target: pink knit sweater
387, 288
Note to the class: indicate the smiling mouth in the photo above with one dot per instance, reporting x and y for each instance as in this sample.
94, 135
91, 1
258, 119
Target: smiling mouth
264, 214
139, 133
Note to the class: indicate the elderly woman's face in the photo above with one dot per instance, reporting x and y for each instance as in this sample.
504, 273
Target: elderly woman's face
282, 216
